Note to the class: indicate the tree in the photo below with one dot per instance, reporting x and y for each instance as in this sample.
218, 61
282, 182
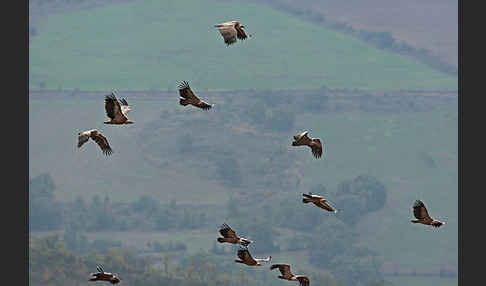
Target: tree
359, 196
45, 213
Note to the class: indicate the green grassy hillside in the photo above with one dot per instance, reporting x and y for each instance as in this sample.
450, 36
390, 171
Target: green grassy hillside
413, 153
155, 44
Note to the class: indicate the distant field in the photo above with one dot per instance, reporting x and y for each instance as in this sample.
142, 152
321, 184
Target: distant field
156, 44
435, 22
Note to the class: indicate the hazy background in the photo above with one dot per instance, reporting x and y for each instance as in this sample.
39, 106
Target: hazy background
375, 80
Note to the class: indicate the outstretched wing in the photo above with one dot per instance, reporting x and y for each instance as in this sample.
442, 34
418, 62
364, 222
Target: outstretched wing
284, 269
102, 142
82, 138
112, 107
229, 34
245, 255
325, 205
316, 147
203, 105
186, 92
227, 232
240, 33
125, 108
300, 135
420, 211
303, 280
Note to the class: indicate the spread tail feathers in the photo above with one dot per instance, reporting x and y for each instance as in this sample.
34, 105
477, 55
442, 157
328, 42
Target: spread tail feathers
305, 201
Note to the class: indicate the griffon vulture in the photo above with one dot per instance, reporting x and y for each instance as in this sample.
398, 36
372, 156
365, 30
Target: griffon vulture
188, 97
231, 31
318, 201
314, 143
104, 276
287, 275
95, 135
117, 113
420, 212
246, 258
230, 236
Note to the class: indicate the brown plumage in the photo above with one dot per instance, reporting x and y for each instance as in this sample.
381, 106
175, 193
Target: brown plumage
230, 236
104, 276
318, 201
116, 112
287, 275
231, 31
422, 215
188, 97
246, 258
314, 143
96, 136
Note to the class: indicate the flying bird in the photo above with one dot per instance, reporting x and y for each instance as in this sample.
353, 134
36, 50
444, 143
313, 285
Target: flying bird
95, 135
287, 275
420, 212
104, 276
318, 201
118, 113
188, 97
231, 31
230, 236
314, 143
246, 258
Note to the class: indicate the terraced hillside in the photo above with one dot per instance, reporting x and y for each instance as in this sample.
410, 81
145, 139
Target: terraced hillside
154, 44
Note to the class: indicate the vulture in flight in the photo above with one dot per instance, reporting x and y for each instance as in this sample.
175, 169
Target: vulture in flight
230, 236
422, 216
116, 110
104, 276
246, 258
287, 275
95, 135
188, 97
314, 143
318, 201
231, 31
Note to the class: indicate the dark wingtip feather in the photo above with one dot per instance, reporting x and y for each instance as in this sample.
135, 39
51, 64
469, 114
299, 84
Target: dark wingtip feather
183, 85
418, 204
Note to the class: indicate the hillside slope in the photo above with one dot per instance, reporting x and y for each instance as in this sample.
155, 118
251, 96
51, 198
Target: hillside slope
155, 44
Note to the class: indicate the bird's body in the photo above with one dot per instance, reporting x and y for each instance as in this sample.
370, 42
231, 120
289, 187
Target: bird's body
118, 113
230, 236
287, 275
231, 31
318, 201
188, 97
104, 276
302, 139
422, 215
246, 258
96, 136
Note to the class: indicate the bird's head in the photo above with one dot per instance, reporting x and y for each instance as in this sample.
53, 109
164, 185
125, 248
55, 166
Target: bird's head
242, 26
